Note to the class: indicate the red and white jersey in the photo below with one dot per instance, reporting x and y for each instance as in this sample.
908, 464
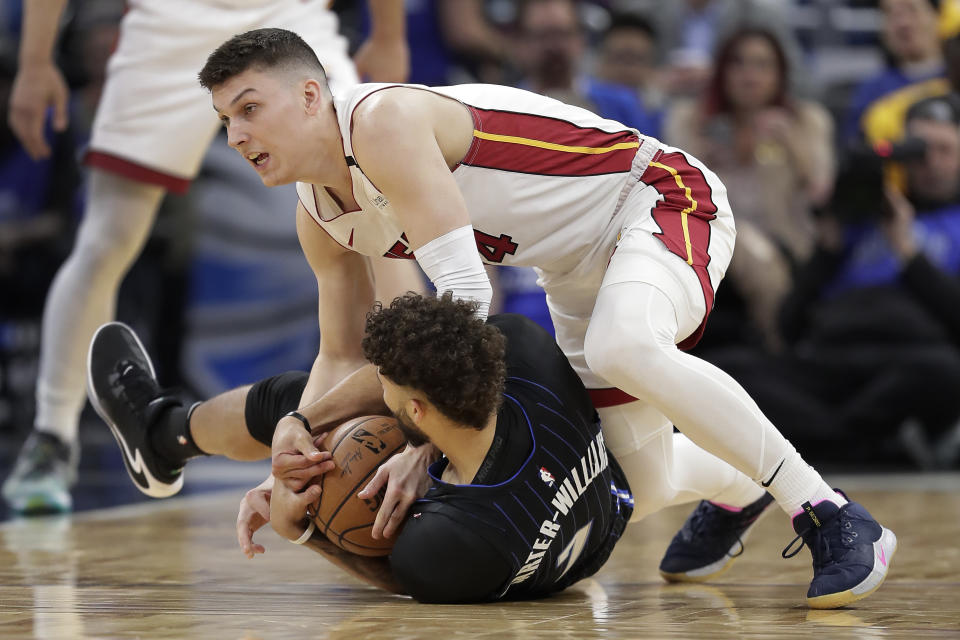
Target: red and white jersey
542, 180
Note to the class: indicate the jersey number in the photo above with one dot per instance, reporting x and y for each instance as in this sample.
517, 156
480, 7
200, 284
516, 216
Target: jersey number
491, 248
571, 553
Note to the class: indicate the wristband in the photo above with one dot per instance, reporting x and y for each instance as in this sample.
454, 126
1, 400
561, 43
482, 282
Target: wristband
302, 418
306, 534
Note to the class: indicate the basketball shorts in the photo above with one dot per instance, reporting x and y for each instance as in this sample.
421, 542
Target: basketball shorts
676, 232
154, 121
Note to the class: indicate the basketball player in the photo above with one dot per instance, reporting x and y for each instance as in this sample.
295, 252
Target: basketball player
152, 127
525, 501
630, 238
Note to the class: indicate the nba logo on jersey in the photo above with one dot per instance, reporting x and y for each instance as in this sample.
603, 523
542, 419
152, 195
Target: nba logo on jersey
546, 476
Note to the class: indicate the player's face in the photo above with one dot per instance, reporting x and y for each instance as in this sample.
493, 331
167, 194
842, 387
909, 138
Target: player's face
270, 121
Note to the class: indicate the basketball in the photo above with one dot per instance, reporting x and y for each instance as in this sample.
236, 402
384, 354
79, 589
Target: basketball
359, 446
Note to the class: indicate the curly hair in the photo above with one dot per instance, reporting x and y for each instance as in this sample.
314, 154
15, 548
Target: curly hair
438, 346
258, 49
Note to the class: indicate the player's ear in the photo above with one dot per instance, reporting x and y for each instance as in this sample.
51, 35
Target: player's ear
417, 410
313, 92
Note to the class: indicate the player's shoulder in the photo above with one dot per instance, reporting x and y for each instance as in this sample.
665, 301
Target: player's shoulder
440, 558
392, 106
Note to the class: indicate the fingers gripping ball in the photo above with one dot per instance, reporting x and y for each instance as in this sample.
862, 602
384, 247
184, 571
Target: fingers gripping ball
359, 447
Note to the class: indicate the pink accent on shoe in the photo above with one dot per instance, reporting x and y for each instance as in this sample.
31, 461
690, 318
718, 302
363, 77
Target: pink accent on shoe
882, 557
726, 507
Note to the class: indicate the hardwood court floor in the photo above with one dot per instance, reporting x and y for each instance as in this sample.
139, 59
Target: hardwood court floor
171, 569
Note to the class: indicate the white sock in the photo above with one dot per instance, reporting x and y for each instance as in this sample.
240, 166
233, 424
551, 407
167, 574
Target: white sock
795, 482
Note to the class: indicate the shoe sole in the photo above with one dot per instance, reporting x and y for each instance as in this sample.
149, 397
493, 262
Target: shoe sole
883, 551
40, 503
711, 571
156, 489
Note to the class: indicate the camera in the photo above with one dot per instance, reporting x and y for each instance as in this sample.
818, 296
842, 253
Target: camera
858, 194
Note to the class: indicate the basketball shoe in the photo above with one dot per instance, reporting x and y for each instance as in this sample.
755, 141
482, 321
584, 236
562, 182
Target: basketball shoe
709, 541
42, 476
851, 552
123, 388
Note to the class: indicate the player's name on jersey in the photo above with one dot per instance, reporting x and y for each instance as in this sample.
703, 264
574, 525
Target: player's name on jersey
569, 491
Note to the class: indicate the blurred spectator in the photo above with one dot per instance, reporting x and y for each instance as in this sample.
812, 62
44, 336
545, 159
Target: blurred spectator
689, 31
774, 153
876, 314
627, 57
451, 41
552, 46
915, 70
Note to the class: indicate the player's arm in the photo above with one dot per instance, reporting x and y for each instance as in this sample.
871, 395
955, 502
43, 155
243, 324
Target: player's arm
345, 293
38, 83
384, 56
400, 138
372, 570
345, 287
288, 518
295, 455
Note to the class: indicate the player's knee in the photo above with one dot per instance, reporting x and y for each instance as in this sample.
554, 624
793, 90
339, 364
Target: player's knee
631, 359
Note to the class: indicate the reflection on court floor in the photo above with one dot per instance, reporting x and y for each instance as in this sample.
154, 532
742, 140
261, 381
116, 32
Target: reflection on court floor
171, 569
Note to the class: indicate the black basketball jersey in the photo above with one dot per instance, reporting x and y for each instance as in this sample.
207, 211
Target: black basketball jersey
547, 505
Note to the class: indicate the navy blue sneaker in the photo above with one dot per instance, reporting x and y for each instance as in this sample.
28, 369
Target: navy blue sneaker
851, 552
123, 388
709, 541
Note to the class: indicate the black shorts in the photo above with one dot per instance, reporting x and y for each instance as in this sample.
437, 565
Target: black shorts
269, 400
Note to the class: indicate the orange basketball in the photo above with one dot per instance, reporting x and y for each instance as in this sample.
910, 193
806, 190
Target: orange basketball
359, 447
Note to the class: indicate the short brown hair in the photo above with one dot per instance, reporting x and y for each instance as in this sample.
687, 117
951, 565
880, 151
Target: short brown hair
258, 49
439, 347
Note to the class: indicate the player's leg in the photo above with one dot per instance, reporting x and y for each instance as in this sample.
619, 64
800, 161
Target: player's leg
647, 304
158, 434
117, 220
670, 469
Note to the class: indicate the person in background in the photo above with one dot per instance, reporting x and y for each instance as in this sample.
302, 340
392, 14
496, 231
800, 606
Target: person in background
627, 57
689, 32
874, 318
451, 41
551, 48
914, 70
775, 153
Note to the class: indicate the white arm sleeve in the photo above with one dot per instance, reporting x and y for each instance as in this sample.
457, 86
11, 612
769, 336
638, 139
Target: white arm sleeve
453, 264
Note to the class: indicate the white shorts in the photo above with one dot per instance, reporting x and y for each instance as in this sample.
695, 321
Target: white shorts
154, 121
675, 232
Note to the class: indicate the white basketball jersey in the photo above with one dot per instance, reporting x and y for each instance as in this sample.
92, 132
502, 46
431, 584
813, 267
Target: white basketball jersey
542, 180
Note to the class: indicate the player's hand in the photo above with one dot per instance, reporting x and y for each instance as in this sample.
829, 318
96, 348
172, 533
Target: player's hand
383, 60
296, 458
254, 513
288, 509
406, 479
35, 88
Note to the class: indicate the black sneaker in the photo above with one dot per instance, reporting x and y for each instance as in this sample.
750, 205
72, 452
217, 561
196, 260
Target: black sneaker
42, 476
709, 541
851, 552
123, 388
